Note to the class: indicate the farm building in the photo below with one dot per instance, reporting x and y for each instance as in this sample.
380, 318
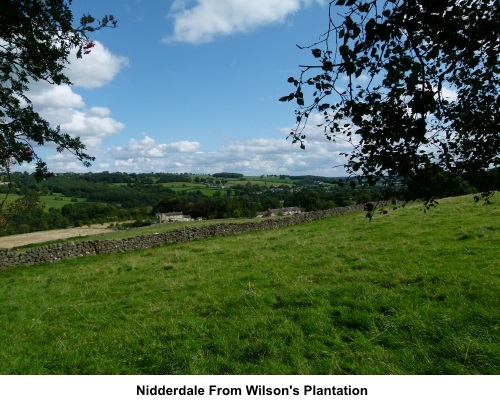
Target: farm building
172, 217
279, 212
291, 210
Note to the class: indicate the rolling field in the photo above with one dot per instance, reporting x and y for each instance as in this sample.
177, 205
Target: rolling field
55, 200
408, 293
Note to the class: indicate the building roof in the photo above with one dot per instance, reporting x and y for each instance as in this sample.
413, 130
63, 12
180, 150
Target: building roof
288, 209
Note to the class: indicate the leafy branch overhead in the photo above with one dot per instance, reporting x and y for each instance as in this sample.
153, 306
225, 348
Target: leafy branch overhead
409, 84
36, 38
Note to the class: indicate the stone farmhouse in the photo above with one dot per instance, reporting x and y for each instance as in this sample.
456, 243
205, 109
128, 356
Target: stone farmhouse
279, 212
172, 217
291, 210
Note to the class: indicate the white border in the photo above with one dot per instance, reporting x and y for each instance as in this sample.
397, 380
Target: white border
122, 390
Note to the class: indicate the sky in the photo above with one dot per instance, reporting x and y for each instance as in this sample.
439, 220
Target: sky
190, 86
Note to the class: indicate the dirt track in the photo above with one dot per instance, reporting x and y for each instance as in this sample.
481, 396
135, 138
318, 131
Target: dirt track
9, 242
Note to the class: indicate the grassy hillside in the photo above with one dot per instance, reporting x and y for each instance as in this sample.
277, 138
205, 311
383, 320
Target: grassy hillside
408, 293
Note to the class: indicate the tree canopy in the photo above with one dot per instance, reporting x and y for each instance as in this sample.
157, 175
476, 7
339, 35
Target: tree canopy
409, 84
36, 38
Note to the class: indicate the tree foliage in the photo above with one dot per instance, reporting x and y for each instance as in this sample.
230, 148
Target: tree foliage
23, 215
409, 84
36, 38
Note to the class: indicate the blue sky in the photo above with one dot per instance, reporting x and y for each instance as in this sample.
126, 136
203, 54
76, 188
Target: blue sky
191, 86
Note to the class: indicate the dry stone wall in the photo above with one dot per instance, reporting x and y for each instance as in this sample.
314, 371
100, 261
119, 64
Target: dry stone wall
70, 250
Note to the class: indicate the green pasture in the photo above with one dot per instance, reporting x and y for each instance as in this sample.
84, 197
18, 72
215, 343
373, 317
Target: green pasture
259, 182
190, 187
407, 293
179, 187
49, 201
58, 201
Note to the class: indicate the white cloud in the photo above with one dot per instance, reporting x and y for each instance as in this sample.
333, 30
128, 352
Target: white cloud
147, 147
183, 146
207, 19
253, 146
253, 156
100, 111
66, 162
60, 105
92, 127
96, 69
48, 96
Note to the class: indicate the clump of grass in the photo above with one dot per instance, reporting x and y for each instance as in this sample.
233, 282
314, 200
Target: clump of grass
402, 294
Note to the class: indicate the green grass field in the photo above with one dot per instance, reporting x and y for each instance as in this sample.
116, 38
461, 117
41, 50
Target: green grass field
408, 293
191, 187
58, 201
55, 200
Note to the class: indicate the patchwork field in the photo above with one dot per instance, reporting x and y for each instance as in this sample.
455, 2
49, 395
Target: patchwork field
408, 293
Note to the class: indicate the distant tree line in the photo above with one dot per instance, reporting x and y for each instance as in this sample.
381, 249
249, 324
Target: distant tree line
247, 200
228, 175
